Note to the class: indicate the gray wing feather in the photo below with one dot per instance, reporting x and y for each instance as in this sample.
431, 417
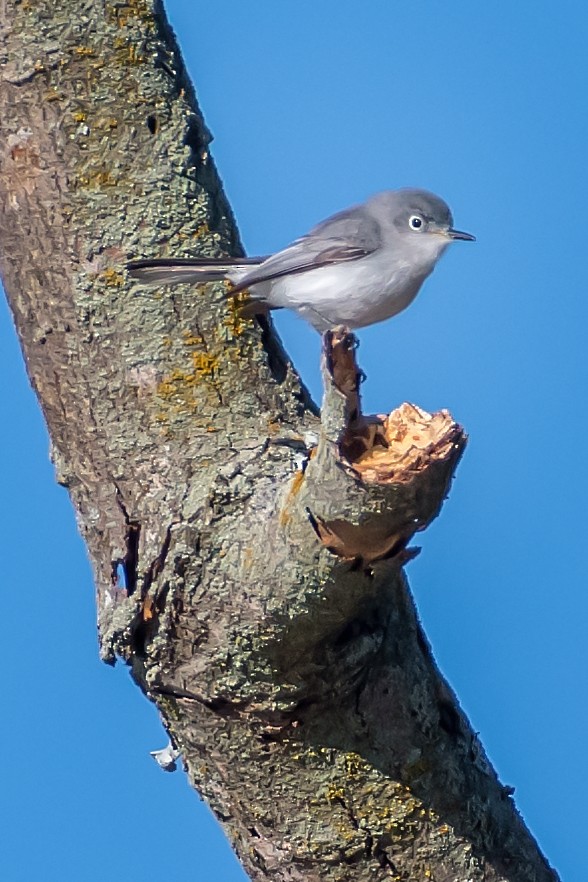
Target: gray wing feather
349, 235
354, 225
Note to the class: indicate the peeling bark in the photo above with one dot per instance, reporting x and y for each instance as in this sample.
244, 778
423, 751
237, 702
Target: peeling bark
247, 555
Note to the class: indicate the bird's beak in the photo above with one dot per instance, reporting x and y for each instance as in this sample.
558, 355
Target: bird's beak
457, 234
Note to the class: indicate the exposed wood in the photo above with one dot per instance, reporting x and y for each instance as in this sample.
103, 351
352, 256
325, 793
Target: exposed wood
247, 555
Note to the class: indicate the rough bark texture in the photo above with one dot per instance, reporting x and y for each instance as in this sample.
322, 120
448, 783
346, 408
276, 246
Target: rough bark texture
247, 556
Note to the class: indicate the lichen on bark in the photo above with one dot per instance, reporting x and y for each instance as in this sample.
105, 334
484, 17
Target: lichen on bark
247, 554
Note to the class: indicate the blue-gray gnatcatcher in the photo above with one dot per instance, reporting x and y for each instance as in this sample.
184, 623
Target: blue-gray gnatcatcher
356, 268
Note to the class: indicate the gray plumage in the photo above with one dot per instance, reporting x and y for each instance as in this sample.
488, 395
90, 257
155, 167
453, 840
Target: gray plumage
358, 267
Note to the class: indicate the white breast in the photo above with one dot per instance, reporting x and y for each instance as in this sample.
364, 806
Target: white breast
356, 293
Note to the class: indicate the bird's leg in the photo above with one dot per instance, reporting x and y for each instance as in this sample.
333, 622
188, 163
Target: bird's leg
339, 345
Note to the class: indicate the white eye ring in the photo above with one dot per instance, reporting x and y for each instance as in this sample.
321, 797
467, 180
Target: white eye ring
415, 222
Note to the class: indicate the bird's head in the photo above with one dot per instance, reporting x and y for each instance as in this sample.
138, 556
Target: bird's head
422, 222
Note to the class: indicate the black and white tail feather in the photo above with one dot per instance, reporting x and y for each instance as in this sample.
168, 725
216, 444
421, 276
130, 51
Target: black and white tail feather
176, 270
198, 271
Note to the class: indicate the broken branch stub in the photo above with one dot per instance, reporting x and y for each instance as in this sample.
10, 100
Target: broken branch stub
374, 481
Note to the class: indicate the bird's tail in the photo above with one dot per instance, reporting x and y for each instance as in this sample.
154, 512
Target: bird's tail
173, 271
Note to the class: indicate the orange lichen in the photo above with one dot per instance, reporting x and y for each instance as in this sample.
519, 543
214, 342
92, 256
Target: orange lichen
293, 489
205, 364
235, 321
111, 277
149, 610
191, 339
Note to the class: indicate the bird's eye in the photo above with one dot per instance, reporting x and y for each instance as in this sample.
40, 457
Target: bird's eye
415, 222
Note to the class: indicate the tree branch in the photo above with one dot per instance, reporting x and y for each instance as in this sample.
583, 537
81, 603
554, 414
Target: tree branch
247, 557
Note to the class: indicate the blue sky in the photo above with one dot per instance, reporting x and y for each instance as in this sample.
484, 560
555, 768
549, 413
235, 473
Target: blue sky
314, 106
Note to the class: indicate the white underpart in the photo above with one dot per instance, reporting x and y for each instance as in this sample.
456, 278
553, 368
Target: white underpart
355, 293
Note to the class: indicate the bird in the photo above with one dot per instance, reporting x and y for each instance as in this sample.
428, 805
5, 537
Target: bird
356, 268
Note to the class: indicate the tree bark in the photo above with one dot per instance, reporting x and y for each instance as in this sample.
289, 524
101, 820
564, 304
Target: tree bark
247, 554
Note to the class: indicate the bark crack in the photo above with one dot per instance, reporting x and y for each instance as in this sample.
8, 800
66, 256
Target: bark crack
157, 564
130, 560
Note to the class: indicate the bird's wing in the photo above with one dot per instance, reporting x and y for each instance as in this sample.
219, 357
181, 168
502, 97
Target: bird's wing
349, 235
